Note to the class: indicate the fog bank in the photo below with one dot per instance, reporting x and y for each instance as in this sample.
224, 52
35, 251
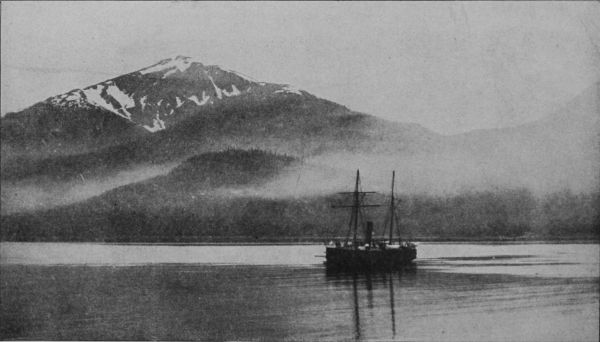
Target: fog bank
31, 195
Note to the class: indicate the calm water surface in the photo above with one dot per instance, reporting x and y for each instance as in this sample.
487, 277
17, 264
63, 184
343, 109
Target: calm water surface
541, 292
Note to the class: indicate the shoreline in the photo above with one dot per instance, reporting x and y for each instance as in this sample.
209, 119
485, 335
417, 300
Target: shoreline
238, 241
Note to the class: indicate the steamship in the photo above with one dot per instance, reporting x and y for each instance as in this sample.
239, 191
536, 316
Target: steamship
368, 253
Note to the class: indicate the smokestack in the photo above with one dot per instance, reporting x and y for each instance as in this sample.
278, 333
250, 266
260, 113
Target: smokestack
369, 233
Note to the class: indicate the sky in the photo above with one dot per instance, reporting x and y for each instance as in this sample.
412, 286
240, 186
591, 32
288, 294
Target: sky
449, 66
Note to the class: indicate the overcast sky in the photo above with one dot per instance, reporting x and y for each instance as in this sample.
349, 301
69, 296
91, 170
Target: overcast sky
449, 66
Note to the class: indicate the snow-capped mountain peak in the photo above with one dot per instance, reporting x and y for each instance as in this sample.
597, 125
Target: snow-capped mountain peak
169, 65
158, 96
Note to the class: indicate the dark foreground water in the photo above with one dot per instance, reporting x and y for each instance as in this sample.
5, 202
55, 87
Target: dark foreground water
454, 292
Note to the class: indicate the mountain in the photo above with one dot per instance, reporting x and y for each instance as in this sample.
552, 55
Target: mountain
159, 96
147, 100
128, 130
178, 108
559, 151
79, 144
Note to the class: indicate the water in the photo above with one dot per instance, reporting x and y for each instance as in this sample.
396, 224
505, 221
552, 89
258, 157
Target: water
473, 292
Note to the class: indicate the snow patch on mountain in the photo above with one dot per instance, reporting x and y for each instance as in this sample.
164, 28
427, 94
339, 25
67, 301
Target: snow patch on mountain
205, 98
177, 63
179, 102
94, 96
195, 99
121, 97
204, 101
234, 91
217, 89
289, 89
74, 98
157, 125
143, 101
170, 72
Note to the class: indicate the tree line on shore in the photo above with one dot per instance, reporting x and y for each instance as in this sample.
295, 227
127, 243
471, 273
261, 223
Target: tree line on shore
499, 214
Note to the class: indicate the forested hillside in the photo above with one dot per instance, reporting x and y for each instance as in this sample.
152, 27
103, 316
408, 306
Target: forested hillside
212, 197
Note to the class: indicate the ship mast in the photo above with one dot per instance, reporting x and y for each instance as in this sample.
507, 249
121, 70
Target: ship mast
357, 197
392, 211
355, 208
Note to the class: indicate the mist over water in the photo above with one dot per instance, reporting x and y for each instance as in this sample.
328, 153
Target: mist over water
322, 175
437, 175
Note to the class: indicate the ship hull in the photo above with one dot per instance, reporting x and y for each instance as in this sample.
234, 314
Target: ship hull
347, 258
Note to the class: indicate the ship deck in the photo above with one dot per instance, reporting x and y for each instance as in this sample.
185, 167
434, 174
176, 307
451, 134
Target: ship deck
390, 257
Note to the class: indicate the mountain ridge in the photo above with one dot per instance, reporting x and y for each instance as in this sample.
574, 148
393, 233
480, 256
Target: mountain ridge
147, 100
181, 81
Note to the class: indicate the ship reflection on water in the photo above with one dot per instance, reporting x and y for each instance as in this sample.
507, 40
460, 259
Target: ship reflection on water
454, 292
365, 280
